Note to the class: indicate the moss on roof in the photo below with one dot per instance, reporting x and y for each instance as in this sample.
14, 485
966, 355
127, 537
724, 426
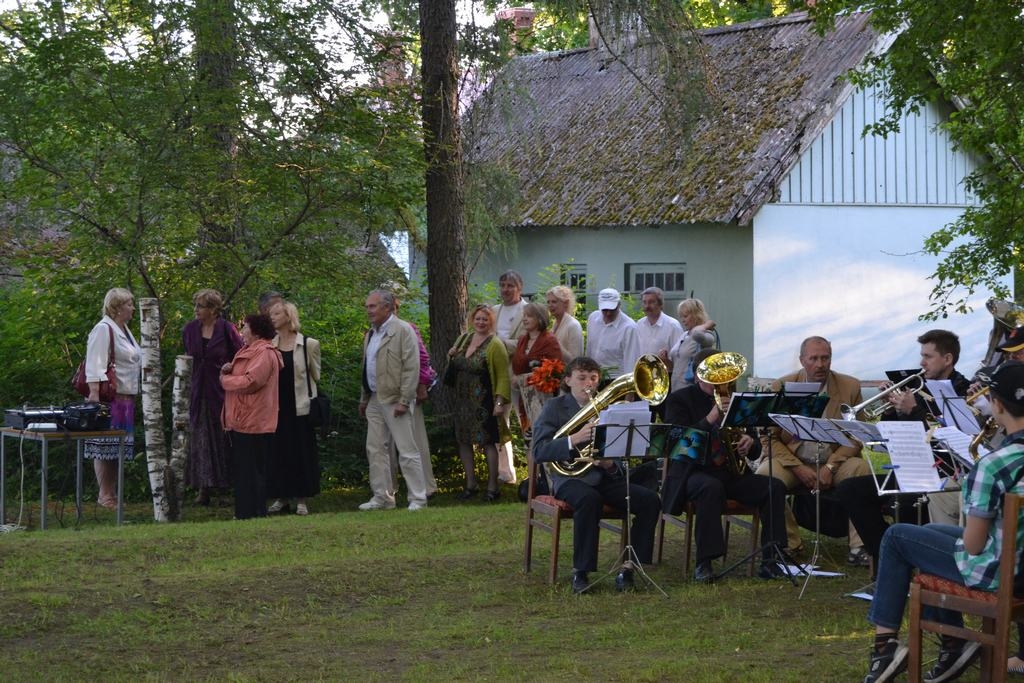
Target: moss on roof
591, 146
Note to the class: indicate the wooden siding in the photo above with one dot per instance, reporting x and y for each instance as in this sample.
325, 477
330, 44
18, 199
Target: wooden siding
916, 166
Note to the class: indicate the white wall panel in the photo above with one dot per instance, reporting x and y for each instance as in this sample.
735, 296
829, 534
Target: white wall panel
916, 165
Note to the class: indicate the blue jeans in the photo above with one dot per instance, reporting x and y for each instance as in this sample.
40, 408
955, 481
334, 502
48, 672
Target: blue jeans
904, 548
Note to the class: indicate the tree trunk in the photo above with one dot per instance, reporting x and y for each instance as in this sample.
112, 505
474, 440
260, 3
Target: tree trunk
180, 433
152, 411
442, 141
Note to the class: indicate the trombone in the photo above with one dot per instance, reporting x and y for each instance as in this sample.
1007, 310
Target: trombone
874, 407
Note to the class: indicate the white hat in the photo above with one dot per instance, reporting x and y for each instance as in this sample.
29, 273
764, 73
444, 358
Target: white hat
608, 299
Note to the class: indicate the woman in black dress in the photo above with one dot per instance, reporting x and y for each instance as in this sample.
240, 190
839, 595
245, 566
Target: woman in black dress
294, 471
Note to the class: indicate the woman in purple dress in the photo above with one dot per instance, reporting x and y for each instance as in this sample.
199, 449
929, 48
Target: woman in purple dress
212, 342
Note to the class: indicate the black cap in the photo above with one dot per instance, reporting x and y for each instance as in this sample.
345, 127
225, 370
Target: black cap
1014, 340
1006, 382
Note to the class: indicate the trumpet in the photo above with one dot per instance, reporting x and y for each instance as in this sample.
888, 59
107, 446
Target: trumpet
874, 407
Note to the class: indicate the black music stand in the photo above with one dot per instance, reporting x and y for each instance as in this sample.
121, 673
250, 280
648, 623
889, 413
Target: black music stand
755, 410
631, 447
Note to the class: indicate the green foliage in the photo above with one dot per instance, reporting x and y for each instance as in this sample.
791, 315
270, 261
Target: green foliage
966, 52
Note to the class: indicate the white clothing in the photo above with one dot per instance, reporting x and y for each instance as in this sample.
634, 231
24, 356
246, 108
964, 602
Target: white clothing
569, 334
663, 334
613, 346
127, 356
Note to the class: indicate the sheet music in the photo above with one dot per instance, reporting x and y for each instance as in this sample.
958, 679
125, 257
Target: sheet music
802, 387
911, 455
957, 413
616, 419
958, 444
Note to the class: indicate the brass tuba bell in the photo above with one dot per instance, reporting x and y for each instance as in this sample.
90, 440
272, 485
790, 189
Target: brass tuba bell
721, 370
649, 381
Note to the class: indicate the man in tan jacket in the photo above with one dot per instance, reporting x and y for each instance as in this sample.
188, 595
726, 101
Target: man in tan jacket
793, 460
390, 372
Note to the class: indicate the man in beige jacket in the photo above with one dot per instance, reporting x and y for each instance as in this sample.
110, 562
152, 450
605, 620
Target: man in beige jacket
390, 375
793, 460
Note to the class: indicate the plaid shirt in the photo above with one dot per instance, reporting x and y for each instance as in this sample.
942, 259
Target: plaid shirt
991, 477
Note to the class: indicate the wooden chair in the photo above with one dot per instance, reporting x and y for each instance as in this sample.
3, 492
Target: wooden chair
733, 514
998, 610
547, 513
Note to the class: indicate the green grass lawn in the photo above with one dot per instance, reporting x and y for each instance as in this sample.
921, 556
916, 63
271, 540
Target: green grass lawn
438, 595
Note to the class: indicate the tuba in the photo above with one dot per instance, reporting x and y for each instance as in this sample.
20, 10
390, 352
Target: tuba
649, 381
721, 370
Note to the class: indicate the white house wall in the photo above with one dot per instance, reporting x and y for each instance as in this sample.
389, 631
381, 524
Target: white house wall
855, 275
717, 264
917, 165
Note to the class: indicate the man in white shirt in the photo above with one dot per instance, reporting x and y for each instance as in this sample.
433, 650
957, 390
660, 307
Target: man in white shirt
510, 311
611, 336
656, 331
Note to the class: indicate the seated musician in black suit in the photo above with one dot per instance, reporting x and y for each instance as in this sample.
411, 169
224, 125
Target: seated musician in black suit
708, 485
940, 351
603, 484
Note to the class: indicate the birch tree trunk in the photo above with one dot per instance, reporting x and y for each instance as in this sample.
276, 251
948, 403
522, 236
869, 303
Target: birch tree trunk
152, 409
181, 432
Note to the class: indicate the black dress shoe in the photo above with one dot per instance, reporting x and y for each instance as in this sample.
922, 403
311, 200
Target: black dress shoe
770, 569
704, 573
580, 582
467, 494
624, 581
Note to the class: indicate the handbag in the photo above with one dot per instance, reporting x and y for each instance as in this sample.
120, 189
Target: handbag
450, 372
319, 405
108, 389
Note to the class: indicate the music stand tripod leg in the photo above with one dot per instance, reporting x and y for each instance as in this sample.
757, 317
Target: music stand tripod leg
777, 554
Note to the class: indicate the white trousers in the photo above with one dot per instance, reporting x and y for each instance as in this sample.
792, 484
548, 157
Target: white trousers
383, 426
419, 433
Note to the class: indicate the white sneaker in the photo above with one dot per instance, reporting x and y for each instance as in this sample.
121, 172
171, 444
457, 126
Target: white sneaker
276, 506
374, 504
301, 509
417, 505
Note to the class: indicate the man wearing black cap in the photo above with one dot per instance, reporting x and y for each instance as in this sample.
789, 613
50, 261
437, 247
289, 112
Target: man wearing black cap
1013, 347
968, 555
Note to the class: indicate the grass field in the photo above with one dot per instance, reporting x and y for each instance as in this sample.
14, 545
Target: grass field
438, 595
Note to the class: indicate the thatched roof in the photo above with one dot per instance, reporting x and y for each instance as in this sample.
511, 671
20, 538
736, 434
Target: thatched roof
591, 148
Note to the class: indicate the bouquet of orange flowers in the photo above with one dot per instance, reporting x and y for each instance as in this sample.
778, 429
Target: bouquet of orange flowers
547, 376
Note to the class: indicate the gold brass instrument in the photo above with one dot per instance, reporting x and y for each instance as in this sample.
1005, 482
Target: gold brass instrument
988, 430
722, 370
874, 407
649, 381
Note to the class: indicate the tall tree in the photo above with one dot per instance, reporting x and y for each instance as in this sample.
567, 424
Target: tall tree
968, 53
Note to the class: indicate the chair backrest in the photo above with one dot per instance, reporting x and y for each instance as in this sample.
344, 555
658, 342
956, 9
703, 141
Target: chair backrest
1009, 552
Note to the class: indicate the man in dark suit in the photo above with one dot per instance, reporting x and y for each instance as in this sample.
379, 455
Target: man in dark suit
603, 484
710, 483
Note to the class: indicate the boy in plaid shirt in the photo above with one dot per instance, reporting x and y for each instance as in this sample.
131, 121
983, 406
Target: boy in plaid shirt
968, 555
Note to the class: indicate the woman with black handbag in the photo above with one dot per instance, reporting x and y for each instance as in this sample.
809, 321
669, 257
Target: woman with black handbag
294, 471
111, 344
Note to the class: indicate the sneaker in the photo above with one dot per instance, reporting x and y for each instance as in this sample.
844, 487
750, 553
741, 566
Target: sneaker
276, 506
887, 664
858, 558
374, 504
301, 509
953, 662
417, 505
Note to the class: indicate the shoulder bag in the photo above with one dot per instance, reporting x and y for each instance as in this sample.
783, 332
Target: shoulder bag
108, 389
319, 405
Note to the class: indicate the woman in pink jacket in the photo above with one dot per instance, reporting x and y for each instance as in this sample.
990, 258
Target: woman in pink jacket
250, 413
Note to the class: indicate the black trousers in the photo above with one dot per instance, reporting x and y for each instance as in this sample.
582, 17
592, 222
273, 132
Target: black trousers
709, 489
250, 454
859, 495
587, 502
